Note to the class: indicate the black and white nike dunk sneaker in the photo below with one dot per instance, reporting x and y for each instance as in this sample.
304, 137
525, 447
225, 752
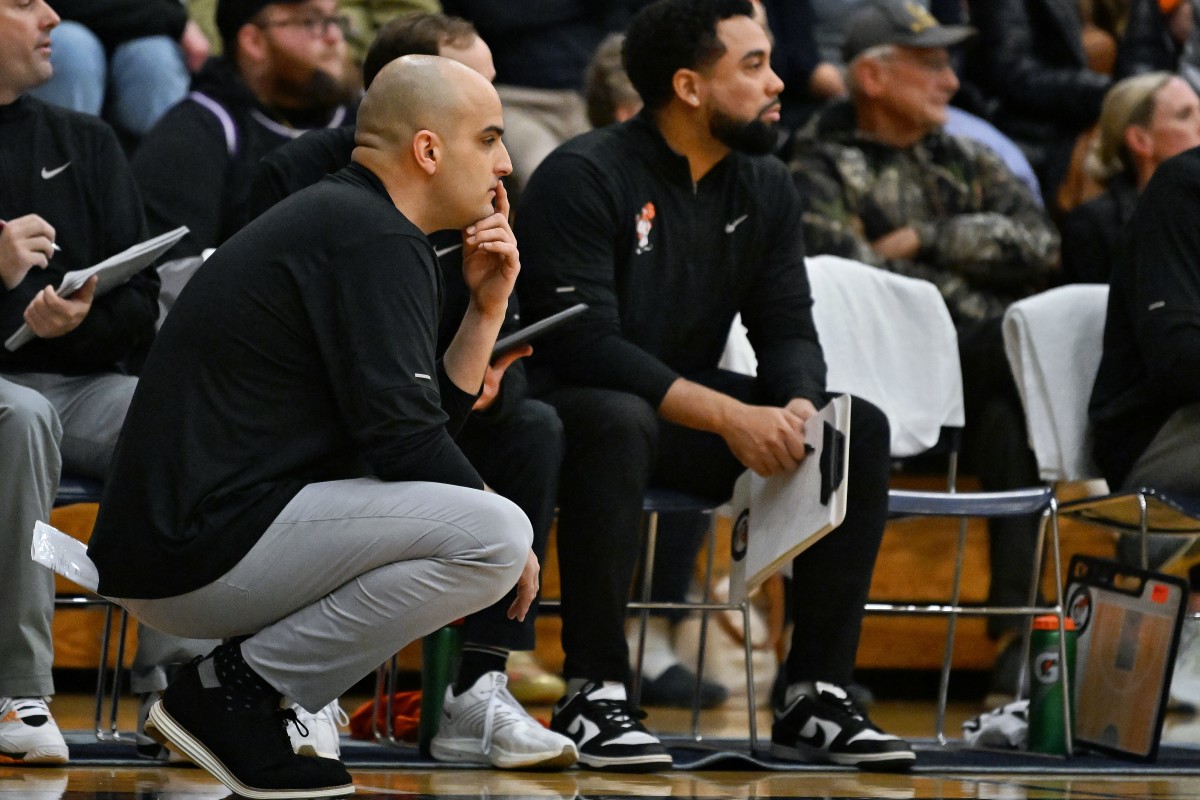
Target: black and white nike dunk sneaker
823, 725
608, 731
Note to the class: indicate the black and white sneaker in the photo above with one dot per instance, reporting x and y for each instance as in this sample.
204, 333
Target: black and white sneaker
242, 742
608, 731
823, 725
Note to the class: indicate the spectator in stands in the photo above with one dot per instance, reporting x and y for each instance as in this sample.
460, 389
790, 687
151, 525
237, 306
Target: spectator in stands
1028, 74
130, 59
810, 79
1162, 35
808, 44
68, 201
808, 56
288, 481
1145, 405
886, 186
1145, 120
541, 57
608, 94
283, 71
300, 163
667, 225
368, 17
514, 441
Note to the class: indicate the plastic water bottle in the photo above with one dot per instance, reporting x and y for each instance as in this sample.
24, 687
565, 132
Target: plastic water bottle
1046, 732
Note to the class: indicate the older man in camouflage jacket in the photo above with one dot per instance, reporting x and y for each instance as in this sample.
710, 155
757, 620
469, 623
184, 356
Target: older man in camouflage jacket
885, 185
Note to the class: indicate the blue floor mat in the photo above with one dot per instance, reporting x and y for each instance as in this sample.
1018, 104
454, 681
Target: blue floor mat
727, 754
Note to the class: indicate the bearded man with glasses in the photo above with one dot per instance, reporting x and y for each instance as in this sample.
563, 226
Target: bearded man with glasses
284, 71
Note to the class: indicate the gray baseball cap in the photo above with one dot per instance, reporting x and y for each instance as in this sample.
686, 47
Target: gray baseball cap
903, 22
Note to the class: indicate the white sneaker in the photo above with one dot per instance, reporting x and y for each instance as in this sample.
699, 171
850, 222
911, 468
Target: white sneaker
317, 734
486, 725
28, 732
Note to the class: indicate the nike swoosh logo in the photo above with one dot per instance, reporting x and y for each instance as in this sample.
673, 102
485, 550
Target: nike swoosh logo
442, 251
47, 174
730, 227
819, 732
583, 730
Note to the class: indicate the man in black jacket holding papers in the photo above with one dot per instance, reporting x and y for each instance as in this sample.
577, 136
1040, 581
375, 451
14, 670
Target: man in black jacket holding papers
667, 225
68, 201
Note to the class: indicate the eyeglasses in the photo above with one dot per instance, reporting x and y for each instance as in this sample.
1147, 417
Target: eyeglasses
314, 26
935, 61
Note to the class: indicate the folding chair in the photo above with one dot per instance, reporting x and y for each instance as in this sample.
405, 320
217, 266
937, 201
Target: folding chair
663, 501
890, 340
85, 490
1054, 341
440, 647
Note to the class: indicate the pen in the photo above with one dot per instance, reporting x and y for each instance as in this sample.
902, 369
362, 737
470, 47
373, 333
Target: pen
57, 249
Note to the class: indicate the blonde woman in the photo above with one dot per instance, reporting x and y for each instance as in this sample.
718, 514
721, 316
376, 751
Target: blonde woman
1144, 120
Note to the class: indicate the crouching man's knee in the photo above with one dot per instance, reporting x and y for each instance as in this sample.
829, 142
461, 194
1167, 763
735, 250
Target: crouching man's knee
505, 534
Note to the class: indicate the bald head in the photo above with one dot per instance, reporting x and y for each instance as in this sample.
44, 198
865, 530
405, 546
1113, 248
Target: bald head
414, 93
430, 129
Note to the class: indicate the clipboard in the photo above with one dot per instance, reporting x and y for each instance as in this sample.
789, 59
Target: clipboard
112, 272
1128, 622
530, 332
776, 519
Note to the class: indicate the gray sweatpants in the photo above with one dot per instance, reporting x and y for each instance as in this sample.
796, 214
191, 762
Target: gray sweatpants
47, 423
350, 572
1171, 461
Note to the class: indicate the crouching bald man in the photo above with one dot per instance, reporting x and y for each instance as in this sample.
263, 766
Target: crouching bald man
287, 479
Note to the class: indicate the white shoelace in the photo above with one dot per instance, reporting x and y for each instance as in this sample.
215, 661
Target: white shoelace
502, 709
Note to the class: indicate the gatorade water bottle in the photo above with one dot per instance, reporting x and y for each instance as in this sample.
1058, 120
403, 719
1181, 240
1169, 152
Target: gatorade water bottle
1046, 732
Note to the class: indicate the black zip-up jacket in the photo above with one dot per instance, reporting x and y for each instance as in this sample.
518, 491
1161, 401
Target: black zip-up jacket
303, 163
69, 169
1151, 362
194, 167
302, 352
613, 219
1030, 68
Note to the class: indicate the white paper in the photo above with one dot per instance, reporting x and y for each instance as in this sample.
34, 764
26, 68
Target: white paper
777, 518
65, 555
112, 272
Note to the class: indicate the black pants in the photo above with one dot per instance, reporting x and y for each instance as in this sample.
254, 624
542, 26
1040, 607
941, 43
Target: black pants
996, 449
617, 446
519, 456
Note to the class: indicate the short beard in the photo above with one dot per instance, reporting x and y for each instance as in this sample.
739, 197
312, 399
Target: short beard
321, 92
755, 138
329, 92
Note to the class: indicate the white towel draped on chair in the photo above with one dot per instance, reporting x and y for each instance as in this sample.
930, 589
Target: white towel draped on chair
1055, 377
886, 351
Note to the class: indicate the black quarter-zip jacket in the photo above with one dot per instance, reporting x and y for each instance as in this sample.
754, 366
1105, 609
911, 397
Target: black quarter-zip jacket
69, 169
613, 219
302, 352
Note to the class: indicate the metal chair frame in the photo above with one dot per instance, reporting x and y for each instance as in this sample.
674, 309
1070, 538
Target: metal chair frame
108, 687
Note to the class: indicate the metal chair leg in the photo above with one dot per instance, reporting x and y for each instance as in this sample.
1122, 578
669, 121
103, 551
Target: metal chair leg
112, 732
644, 613
951, 630
751, 698
707, 599
1023, 676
